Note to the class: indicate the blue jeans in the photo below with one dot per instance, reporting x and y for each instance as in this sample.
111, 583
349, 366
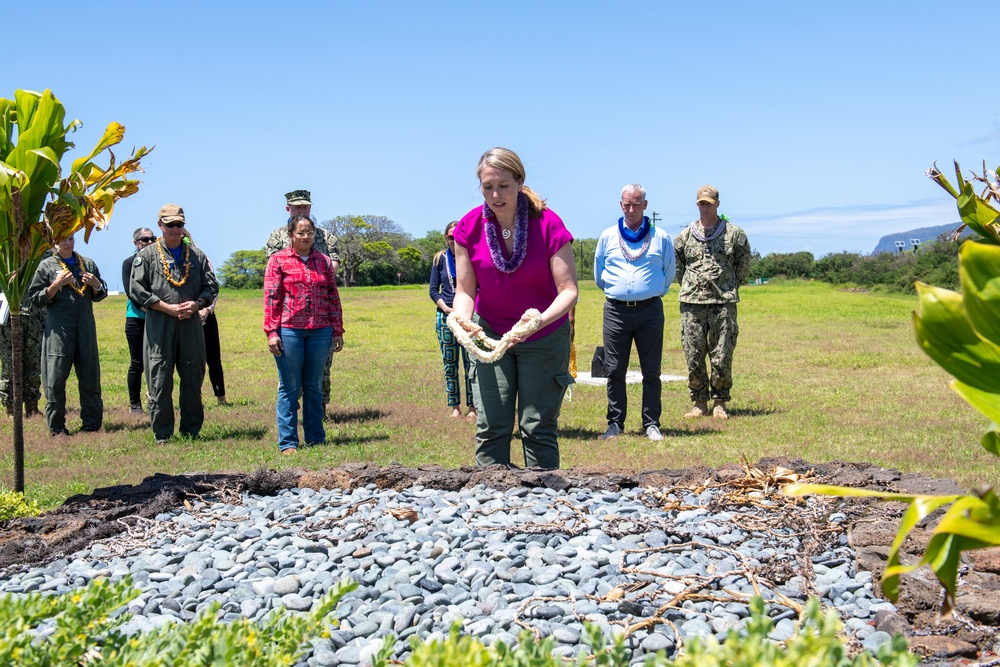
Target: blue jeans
300, 370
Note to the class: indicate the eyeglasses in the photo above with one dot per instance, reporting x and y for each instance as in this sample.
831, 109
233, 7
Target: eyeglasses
172, 225
304, 235
145, 239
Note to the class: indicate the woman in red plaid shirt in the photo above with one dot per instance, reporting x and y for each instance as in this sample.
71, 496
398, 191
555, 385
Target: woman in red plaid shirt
302, 319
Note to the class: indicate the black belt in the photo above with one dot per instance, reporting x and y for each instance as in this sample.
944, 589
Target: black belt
632, 304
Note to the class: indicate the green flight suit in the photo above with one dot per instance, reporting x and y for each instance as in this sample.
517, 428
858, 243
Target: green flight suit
171, 343
69, 340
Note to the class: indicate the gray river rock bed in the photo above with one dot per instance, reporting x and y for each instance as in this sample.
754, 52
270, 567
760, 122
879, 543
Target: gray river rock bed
658, 564
660, 567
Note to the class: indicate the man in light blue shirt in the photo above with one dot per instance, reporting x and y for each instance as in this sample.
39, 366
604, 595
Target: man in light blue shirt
634, 265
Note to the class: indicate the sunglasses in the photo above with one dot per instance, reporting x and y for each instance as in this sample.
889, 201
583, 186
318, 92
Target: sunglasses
172, 225
449, 238
146, 239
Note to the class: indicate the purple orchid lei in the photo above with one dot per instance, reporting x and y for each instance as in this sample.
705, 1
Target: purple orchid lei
520, 236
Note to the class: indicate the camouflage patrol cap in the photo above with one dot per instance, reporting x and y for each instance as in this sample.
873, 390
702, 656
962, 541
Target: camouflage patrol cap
298, 198
171, 213
709, 194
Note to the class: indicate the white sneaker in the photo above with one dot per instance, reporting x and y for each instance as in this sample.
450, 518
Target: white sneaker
654, 432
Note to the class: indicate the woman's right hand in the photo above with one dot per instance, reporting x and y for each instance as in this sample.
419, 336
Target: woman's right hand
275, 346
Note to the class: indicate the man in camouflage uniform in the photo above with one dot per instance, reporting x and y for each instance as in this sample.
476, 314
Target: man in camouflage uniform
299, 202
173, 280
32, 328
713, 260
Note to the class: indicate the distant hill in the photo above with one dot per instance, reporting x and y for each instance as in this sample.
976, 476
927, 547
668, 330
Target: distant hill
888, 243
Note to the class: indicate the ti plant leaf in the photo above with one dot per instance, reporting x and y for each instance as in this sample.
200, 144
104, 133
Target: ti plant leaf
978, 264
945, 334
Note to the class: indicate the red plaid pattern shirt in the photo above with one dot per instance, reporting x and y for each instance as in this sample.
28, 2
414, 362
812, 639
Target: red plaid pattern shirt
301, 293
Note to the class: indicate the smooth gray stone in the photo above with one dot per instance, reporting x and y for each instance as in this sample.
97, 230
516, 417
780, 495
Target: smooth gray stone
209, 576
566, 635
365, 628
696, 627
782, 630
480, 627
287, 585
876, 639
546, 612
545, 575
296, 602
249, 608
349, 655
656, 641
404, 619
432, 585
409, 591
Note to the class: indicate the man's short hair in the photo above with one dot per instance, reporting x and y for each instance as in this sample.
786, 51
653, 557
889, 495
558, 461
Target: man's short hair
634, 187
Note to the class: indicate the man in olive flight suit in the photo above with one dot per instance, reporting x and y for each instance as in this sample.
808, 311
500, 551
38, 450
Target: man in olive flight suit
173, 280
299, 202
713, 260
66, 285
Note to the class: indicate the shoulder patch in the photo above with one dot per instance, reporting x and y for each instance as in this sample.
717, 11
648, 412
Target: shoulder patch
137, 261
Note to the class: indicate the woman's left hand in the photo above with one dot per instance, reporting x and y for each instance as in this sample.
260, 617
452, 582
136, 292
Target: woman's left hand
338, 343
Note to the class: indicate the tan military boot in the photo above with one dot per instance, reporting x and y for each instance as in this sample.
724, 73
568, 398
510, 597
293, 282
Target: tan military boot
31, 409
719, 410
700, 409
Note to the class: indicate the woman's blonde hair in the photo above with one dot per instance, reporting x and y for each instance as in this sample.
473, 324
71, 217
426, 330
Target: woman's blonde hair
506, 159
450, 226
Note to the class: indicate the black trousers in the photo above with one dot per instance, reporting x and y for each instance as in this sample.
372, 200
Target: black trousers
213, 355
135, 329
643, 324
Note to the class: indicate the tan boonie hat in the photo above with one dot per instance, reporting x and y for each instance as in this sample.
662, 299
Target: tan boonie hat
709, 194
298, 198
171, 213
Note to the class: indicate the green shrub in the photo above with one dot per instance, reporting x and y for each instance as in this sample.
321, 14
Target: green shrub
83, 628
13, 505
817, 643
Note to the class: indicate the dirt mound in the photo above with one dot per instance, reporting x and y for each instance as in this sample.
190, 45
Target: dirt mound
84, 519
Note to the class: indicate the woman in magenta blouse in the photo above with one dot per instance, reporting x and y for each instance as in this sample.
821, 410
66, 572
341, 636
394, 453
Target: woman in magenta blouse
302, 319
511, 254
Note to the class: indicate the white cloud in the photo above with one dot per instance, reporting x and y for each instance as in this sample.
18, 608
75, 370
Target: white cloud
853, 228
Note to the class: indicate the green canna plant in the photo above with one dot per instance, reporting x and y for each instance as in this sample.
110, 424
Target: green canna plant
40, 205
961, 332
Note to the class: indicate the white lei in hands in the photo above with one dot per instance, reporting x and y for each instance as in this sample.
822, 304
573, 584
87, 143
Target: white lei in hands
486, 349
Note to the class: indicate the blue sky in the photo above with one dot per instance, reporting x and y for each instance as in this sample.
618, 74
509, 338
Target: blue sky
816, 121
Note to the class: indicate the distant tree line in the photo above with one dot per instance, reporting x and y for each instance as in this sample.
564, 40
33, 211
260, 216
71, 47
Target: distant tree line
935, 263
374, 250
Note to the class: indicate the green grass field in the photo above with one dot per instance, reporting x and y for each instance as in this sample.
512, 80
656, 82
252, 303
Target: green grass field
821, 374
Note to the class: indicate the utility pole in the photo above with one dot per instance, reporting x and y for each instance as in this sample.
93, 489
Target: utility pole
654, 218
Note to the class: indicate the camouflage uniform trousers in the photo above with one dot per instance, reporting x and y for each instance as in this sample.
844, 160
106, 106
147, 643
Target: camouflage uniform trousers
709, 330
32, 328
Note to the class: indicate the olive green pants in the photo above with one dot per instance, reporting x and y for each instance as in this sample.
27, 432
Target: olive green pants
533, 377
